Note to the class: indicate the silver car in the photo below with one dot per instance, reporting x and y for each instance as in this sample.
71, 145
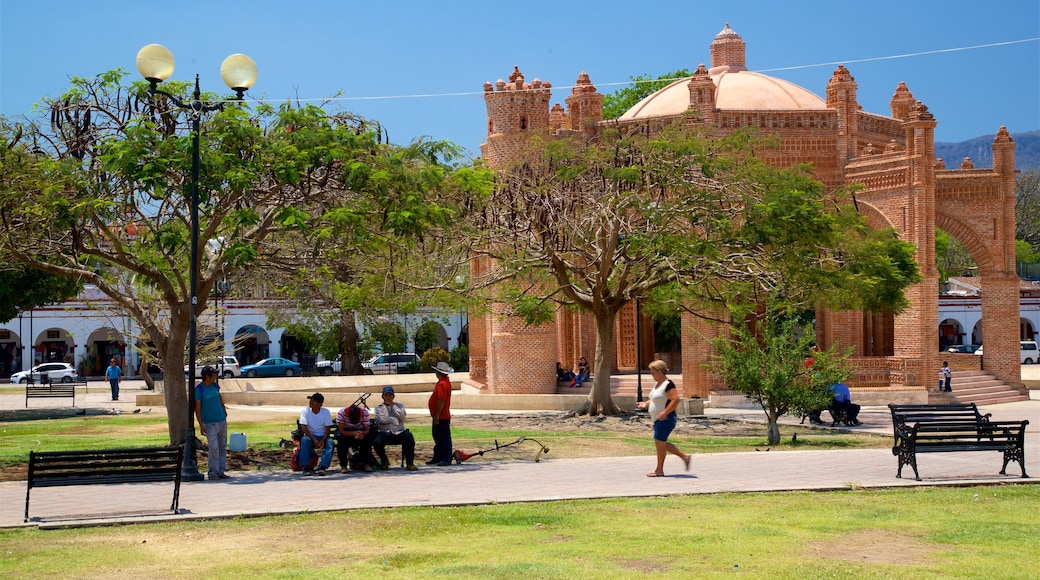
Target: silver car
389, 364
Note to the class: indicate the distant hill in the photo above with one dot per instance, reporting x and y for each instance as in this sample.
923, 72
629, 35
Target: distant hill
1027, 151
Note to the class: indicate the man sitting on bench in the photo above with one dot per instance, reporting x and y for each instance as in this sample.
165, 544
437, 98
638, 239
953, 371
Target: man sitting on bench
843, 404
390, 421
355, 434
842, 408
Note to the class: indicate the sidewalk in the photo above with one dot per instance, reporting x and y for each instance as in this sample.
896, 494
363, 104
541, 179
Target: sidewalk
483, 482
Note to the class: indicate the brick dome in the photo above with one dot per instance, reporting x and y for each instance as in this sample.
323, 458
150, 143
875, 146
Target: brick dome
736, 88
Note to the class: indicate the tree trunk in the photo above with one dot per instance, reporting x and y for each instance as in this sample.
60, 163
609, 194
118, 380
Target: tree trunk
175, 392
142, 370
350, 361
600, 401
772, 429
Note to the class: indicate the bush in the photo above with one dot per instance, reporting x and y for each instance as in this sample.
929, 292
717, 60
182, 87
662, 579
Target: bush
431, 357
460, 358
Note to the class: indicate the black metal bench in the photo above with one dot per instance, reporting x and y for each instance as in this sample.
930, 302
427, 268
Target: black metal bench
50, 390
105, 466
953, 428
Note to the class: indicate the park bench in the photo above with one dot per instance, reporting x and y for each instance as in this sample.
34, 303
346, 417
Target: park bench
105, 466
52, 390
953, 428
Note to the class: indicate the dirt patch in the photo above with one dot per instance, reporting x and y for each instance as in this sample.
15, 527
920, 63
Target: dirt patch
874, 547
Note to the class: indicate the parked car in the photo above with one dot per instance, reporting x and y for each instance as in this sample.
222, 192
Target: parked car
227, 366
1028, 353
964, 348
57, 372
272, 367
389, 364
327, 367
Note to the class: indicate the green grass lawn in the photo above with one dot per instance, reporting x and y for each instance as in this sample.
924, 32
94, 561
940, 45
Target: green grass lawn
953, 532
18, 437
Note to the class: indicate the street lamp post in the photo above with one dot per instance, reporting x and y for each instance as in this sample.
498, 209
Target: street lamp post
155, 63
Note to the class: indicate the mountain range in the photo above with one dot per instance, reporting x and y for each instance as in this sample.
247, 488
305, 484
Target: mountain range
1027, 151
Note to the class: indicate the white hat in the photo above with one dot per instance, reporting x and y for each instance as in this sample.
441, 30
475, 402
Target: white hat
443, 368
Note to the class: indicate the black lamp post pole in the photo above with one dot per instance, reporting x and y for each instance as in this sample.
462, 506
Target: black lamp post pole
190, 468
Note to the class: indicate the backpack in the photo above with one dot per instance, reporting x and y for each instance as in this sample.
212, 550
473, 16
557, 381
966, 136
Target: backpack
294, 462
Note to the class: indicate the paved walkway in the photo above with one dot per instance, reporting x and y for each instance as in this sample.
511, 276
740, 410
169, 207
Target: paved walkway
481, 481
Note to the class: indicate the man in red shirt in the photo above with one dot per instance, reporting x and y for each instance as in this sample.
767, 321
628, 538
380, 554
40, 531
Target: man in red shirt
440, 411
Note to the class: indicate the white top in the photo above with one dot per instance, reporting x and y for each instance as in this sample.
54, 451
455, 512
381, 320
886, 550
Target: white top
316, 423
659, 398
391, 419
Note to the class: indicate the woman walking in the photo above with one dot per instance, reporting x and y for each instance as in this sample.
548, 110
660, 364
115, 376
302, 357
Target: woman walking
663, 400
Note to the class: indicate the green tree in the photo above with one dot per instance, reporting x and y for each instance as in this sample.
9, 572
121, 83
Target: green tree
1027, 207
680, 220
23, 288
615, 104
767, 358
98, 190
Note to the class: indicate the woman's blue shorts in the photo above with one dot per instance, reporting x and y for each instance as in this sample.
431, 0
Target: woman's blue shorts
662, 429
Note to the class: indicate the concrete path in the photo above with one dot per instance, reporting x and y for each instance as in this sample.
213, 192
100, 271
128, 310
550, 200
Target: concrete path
479, 481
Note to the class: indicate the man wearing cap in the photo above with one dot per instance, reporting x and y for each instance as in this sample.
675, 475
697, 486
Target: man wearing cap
390, 422
211, 414
440, 411
316, 424
355, 433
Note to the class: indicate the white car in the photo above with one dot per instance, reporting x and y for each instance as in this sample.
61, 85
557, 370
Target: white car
57, 372
389, 364
227, 367
1028, 353
328, 367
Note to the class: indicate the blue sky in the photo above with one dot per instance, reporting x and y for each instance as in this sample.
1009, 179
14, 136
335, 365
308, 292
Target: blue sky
312, 50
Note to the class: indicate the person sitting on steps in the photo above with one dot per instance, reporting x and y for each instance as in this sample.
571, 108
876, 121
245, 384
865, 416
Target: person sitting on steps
583, 373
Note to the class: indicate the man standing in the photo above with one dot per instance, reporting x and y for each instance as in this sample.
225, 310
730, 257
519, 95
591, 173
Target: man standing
211, 414
390, 421
112, 373
440, 411
316, 424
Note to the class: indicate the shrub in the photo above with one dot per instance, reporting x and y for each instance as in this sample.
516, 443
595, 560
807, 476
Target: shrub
460, 358
431, 357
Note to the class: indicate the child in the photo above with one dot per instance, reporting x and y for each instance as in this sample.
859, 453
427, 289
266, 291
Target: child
946, 378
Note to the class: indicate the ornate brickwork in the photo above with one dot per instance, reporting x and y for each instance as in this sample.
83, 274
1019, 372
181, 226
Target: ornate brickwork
903, 186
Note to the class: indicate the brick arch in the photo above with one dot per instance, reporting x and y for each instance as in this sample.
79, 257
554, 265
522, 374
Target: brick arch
968, 236
876, 219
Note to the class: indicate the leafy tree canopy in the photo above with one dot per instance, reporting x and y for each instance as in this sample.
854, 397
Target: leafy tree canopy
23, 288
615, 104
98, 189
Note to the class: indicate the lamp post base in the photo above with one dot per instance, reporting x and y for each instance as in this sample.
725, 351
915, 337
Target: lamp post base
190, 467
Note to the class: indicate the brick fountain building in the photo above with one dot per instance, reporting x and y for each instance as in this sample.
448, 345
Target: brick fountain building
905, 187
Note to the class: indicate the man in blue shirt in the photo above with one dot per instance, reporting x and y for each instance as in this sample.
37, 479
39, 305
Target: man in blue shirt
211, 413
112, 373
843, 402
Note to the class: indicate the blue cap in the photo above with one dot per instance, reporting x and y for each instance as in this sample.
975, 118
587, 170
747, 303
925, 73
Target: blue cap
388, 390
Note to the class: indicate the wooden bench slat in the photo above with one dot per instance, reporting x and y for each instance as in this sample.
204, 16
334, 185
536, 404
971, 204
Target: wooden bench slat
105, 466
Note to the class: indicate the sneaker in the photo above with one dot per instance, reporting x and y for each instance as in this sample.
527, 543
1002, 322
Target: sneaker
223, 476
344, 470
432, 462
443, 464
366, 468
321, 472
412, 467
307, 473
